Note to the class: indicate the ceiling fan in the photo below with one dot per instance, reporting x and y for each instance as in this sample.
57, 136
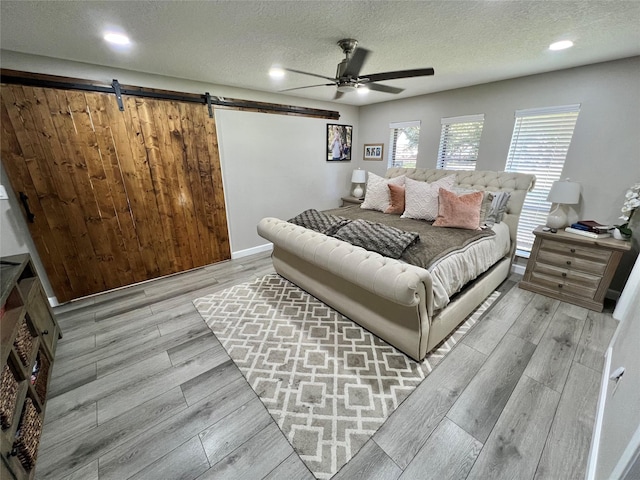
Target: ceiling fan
348, 77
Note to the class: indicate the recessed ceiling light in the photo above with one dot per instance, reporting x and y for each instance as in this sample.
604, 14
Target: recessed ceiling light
117, 39
276, 72
561, 45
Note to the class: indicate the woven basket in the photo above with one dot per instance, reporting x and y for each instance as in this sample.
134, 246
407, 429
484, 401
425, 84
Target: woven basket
41, 379
23, 343
28, 435
8, 395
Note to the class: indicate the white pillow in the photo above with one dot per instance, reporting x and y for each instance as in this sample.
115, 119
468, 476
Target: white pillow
421, 198
377, 195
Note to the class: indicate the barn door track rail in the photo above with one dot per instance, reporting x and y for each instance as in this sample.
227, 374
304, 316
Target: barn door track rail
65, 83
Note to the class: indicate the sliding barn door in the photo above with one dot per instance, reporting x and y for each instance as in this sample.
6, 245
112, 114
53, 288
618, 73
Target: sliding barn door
117, 197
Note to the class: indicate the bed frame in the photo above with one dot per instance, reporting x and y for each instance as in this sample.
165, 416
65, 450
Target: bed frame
389, 298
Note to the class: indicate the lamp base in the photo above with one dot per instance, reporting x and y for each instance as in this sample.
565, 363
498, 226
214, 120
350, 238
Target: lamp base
561, 216
358, 192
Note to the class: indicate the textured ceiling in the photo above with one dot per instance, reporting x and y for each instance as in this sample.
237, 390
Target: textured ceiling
235, 42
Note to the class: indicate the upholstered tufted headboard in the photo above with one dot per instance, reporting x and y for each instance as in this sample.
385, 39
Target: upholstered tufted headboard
516, 183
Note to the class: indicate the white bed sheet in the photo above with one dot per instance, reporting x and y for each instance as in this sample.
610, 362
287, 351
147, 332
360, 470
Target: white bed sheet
455, 270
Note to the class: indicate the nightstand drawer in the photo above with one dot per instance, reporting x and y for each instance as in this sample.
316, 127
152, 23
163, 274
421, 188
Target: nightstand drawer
572, 268
562, 286
595, 267
569, 275
580, 251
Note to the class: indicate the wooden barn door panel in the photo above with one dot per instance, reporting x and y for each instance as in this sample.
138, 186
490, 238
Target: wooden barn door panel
118, 197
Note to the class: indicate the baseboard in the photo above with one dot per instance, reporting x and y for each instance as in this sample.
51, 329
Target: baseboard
518, 269
613, 294
252, 251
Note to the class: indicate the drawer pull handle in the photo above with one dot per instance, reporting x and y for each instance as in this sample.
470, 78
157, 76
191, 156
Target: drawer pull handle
564, 274
568, 262
559, 285
573, 250
45, 332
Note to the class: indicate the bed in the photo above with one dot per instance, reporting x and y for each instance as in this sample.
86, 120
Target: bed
410, 307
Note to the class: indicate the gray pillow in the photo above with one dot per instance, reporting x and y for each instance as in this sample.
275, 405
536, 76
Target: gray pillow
497, 208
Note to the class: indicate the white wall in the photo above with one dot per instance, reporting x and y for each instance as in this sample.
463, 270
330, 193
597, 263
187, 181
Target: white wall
272, 165
604, 155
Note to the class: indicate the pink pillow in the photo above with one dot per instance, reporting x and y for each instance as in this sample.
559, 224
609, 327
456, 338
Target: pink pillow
396, 199
459, 211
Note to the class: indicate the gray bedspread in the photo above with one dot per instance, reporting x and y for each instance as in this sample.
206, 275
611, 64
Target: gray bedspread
434, 243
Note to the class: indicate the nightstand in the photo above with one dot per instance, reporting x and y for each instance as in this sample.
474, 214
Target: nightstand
351, 201
573, 268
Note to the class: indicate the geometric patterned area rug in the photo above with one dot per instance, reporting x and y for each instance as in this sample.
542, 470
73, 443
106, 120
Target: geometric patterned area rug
328, 383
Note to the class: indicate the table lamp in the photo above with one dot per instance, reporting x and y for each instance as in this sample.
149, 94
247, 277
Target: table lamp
563, 193
358, 177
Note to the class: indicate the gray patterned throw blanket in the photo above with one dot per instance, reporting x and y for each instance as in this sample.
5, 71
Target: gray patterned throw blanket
388, 241
435, 242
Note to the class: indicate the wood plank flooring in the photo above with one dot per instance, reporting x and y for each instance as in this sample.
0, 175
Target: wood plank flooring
141, 389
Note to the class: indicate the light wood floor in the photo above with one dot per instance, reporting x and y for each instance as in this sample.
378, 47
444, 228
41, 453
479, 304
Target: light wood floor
142, 389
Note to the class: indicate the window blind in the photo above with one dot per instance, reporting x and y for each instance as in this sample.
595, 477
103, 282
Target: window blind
539, 145
460, 142
403, 144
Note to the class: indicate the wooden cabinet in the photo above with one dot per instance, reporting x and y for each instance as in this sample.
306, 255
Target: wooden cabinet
573, 268
29, 335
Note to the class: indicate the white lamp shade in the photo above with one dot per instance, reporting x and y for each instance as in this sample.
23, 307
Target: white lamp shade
358, 176
564, 192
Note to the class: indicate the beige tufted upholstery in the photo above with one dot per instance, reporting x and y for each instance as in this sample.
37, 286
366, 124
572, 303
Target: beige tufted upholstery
516, 183
389, 298
383, 276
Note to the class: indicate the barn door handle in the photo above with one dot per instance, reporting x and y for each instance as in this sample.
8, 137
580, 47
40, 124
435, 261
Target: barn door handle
25, 203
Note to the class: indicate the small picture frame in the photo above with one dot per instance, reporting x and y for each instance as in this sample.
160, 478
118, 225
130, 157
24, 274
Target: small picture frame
373, 151
338, 143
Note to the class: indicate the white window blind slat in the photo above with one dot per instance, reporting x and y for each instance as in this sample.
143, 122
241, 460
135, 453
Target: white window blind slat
460, 142
539, 145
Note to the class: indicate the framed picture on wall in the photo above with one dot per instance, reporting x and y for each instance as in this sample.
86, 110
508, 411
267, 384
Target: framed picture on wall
373, 151
338, 143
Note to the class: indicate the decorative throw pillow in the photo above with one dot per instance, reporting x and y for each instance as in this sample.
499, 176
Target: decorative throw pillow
459, 211
497, 208
319, 221
421, 198
377, 195
396, 199
486, 201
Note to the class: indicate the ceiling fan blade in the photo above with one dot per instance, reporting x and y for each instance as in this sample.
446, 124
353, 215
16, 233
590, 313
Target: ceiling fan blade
383, 88
379, 77
308, 86
355, 62
338, 95
307, 73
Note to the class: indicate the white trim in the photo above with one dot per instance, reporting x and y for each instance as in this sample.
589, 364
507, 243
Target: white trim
597, 429
267, 247
478, 117
53, 301
518, 269
548, 110
412, 123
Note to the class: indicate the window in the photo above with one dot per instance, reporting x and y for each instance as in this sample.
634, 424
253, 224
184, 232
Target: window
459, 142
403, 144
539, 145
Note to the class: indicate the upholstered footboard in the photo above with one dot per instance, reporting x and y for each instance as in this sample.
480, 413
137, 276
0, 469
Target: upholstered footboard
389, 298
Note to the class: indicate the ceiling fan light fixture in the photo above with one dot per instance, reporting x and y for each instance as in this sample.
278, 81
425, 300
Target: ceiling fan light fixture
362, 90
346, 87
561, 45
